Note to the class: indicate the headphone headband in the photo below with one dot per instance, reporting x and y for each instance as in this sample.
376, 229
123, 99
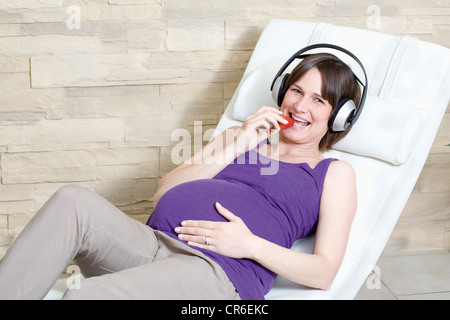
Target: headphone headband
300, 55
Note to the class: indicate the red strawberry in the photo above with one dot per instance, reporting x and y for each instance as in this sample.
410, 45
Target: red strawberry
289, 124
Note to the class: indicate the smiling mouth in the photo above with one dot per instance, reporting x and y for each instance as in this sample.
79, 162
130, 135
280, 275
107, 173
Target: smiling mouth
300, 122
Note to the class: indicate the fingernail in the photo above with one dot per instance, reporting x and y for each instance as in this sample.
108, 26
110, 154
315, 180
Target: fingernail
183, 223
180, 236
177, 230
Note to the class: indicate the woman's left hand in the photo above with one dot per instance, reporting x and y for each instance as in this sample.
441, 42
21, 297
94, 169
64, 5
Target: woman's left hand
232, 239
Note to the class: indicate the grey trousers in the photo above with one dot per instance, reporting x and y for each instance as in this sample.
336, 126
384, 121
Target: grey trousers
121, 258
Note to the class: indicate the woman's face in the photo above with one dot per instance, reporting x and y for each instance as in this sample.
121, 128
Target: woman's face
304, 103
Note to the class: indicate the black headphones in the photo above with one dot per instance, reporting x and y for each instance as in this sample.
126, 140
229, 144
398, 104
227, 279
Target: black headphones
345, 113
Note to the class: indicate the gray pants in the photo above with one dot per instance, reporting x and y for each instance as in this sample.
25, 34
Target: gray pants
120, 257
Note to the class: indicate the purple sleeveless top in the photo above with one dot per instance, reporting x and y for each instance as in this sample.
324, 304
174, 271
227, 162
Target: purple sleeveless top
278, 201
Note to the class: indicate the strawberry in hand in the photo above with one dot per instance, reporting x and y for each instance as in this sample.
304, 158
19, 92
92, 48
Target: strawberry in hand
287, 125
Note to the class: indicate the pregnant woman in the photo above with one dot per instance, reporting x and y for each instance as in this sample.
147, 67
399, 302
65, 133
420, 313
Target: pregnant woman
224, 220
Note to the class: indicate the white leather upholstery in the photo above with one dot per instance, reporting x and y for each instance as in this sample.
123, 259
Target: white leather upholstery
409, 91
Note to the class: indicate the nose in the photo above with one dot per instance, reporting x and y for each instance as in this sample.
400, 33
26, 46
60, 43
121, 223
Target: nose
302, 106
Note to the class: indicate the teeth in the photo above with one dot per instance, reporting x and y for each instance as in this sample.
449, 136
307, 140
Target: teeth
300, 120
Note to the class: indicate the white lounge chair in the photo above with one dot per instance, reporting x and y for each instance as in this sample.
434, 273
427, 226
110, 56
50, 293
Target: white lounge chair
409, 90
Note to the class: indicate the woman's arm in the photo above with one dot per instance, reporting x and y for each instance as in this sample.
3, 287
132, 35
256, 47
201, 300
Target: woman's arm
221, 151
337, 210
317, 270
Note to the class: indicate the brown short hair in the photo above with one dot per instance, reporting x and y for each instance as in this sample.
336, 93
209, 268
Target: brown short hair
338, 81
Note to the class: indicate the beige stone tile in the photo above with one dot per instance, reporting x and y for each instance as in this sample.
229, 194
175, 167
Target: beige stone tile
131, 11
413, 236
38, 101
381, 293
105, 70
435, 179
427, 206
136, 156
14, 64
418, 274
61, 133
48, 45
195, 35
15, 81
31, 4
17, 207
48, 167
11, 193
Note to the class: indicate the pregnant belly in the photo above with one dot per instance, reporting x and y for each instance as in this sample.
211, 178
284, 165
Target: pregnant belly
196, 200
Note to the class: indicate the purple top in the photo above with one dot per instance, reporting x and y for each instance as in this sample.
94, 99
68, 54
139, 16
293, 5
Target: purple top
280, 208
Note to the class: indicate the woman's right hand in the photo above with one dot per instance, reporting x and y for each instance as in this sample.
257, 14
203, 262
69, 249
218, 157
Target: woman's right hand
258, 127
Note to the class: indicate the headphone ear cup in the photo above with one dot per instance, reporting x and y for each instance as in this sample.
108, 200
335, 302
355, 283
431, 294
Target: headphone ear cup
279, 89
341, 116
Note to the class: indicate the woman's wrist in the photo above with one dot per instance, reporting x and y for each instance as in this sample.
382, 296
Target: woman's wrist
256, 248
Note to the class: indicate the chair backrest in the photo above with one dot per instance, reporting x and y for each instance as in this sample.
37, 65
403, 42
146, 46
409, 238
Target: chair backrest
409, 92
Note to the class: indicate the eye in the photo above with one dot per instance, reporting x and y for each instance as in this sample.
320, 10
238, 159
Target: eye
319, 101
297, 91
